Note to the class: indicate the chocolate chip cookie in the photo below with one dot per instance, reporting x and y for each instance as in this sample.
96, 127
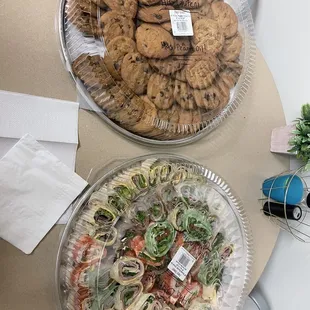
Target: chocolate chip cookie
89, 7
170, 115
167, 26
226, 18
124, 7
208, 36
100, 3
153, 41
185, 120
88, 69
160, 91
167, 66
169, 120
222, 86
230, 73
196, 121
117, 49
180, 75
131, 113
149, 115
149, 2
232, 48
114, 25
154, 14
201, 70
114, 100
182, 46
136, 72
210, 98
183, 95
83, 21
201, 12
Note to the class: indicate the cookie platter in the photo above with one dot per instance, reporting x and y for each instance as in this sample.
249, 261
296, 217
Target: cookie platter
162, 72
156, 232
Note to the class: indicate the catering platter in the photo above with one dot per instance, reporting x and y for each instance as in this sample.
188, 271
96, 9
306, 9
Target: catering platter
157, 232
150, 82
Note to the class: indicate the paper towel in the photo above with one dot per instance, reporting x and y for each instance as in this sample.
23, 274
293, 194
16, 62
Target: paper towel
36, 188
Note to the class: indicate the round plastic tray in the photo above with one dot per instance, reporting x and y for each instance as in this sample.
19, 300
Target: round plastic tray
149, 84
93, 248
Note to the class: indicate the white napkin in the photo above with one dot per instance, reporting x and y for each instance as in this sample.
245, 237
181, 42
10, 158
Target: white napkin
36, 189
43, 118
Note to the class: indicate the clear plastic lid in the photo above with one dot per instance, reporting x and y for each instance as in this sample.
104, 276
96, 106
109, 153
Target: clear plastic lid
157, 232
162, 71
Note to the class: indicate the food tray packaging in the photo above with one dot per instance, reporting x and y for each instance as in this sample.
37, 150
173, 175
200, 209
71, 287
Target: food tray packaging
150, 82
95, 245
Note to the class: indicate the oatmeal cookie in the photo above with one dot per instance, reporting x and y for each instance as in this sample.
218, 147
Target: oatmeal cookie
201, 70
160, 91
136, 72
154, 42
183, 95
154, 14
226, 17
208, 37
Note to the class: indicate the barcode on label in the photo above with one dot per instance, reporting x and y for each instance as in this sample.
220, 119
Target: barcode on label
182, 26
181, 263
181, 22
184, 260
176, 272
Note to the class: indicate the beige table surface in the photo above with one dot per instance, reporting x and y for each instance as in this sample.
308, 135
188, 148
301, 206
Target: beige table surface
238, 150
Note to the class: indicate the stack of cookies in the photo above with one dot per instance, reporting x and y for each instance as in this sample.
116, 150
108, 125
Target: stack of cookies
149, 81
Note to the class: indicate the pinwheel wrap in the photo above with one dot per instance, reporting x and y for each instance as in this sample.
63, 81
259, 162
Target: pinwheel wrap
196, 226
159, 238
127, 270
127, 296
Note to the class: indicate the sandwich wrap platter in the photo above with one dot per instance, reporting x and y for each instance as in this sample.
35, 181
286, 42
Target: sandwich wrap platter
149, 83
156, 232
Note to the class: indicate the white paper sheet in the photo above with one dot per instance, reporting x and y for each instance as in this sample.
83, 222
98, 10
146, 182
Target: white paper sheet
52, 122
36, 189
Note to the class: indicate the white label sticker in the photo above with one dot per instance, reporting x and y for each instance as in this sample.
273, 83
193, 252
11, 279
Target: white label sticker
181, 22
181, 263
